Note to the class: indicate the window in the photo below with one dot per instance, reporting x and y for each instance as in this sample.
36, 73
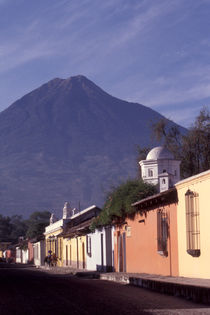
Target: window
175, 173
192, 223
70, 253
88, 244
150, 172
163, 181
162, 232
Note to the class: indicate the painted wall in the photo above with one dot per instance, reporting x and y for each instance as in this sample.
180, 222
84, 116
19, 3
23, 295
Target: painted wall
54, 243
74, 252
195, 266
140, 241
21, 256
101, 257
30, 252
39, 253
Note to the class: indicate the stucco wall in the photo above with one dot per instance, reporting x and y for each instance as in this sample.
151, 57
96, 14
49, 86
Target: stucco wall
195, 266
95, 261
39, 253
141, 244
75, 256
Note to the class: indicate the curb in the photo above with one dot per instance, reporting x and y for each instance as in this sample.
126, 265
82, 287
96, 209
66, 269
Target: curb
197, 294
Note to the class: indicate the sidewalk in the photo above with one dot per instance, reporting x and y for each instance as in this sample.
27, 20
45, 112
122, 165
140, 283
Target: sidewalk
194, 289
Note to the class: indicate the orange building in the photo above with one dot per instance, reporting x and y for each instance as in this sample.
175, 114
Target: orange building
147, 243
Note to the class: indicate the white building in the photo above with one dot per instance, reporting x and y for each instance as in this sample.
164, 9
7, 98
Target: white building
21, 255
160, 168
100, 249
39, 253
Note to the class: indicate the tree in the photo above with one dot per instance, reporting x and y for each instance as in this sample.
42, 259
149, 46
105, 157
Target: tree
119, 200
37, 223
5, 229
18, 227
141, 155
193, 148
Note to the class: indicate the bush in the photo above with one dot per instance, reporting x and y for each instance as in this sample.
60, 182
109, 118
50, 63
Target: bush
118, 203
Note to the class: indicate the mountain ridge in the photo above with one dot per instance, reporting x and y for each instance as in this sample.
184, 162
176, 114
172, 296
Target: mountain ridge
68, 140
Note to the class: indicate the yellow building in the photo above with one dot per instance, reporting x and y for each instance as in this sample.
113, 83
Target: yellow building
53, 238
74, 238
74, 253
193, 217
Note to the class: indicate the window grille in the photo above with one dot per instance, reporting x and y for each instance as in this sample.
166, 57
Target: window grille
162, 232
192, 223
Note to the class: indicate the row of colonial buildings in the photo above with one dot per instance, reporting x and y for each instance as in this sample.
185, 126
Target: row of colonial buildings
169, 234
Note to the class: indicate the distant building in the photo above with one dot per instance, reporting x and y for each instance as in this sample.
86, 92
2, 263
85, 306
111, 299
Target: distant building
160, 168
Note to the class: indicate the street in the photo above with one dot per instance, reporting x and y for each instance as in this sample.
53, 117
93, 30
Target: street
27, 290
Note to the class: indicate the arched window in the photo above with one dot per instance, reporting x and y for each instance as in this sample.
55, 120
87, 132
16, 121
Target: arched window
192, 223
150, 172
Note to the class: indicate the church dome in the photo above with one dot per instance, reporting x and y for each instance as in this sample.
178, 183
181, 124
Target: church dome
159, 153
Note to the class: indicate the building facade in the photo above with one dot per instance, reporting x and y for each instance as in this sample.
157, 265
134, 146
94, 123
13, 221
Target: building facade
39, 253
147, 242
100, 249
75, 237
53, 240
193, 215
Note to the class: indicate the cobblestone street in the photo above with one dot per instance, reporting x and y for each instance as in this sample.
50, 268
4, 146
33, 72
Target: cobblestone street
26, 290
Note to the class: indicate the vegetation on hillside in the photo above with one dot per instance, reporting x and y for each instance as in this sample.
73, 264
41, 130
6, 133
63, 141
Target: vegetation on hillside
119, 200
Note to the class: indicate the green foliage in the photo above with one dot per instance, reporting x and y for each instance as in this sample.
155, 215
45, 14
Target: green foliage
18, 227
193, 149
37, 223
119, 200
196, 146
11, 228
5, 229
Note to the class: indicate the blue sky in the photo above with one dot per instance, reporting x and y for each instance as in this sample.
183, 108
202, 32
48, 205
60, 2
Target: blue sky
154, 52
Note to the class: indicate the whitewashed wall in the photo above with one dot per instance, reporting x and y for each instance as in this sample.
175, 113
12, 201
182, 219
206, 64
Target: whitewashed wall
21, 256
101, 257
39, 253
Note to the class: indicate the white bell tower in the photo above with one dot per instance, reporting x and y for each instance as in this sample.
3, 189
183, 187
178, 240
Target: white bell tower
160, 168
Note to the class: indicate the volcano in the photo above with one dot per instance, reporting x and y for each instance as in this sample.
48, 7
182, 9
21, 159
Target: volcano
68, 140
